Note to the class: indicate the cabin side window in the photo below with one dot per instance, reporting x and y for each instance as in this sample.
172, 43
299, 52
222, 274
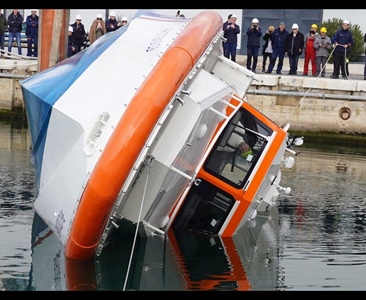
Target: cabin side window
238, 149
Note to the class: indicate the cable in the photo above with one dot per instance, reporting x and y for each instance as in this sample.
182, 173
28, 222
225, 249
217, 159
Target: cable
149, 171
309, 89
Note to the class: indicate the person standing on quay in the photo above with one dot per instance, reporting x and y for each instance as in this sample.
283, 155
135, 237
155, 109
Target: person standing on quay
97, 29
322, 45
123, 22
15, 20
3, 26
267, 47
224, 25
310, 51
293, 47
32, 33
111, 24
342, 41
78, 33
278, 45
254, 33
72, 47
231, 31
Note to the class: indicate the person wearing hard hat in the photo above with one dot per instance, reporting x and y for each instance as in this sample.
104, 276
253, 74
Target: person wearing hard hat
294, 46
31, 31
123, 22
322, 46
231, 31
310, 51
342, 41
254, 33
72, 47
97, 29
78, 34
111, 24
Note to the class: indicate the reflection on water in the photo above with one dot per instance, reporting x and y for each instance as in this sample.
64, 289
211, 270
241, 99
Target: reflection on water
322, 224
16, 196
314, 239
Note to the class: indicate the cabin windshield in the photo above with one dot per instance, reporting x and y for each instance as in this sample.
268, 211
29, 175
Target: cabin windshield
238, 149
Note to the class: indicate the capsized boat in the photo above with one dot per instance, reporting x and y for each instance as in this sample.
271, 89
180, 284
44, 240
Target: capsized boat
135, 131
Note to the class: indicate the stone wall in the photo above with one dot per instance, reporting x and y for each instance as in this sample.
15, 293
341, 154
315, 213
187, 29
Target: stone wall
312, 104
307, 103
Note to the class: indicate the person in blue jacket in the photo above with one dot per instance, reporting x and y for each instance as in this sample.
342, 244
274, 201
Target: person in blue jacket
111, 24
15, 20
32, 33
342, 41
278, 46
72, 48
254, 33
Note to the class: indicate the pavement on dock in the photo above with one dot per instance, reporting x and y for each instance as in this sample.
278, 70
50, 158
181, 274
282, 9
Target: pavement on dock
355, 68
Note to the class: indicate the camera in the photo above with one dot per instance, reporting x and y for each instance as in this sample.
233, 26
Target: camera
255, 25
312, 31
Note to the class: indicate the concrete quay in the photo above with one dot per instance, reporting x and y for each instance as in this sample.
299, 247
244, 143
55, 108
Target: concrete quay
307, 103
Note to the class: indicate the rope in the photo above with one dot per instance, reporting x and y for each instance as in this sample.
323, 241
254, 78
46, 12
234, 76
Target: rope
309, 89
150, 170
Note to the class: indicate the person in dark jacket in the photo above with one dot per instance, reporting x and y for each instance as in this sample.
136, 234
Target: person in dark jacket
254, 33
294, 46
3, 26
278, 45
267, 47
342, 41
72, 47
224, 25
32, 33
231, 31
111, 24
78, 34
15, 20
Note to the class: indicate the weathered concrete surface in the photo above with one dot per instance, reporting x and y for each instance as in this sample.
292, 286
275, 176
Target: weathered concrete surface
11, 71
306, 112
298, 100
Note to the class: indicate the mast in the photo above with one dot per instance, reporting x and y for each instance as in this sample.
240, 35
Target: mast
52, 41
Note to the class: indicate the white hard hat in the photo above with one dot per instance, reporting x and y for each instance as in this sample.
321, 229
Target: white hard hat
99, 16
112, 14
345, 21
295, 26
78, 17
124, 19
71, 29
234, 16
255, 20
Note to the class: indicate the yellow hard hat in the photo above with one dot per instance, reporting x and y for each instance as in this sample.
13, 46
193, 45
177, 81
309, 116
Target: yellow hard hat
323, 29
314, 26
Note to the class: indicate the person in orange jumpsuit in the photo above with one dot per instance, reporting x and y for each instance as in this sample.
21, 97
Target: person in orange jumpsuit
310, 50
